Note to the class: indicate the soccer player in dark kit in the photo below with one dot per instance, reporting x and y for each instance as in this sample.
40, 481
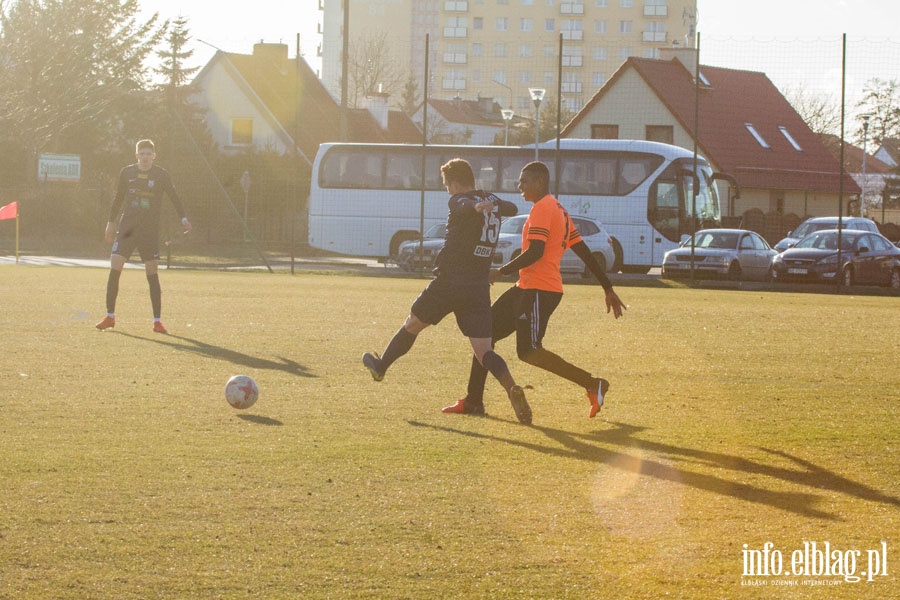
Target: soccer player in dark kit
525, 308
461, 285
141, 188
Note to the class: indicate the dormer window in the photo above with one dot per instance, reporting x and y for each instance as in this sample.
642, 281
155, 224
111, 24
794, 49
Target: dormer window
756, 136
703, 79
790, 138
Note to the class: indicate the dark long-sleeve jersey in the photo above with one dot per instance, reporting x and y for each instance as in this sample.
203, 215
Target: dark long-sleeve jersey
141, 193
471, 236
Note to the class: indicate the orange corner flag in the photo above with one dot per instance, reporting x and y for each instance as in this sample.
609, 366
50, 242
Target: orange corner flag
10, 211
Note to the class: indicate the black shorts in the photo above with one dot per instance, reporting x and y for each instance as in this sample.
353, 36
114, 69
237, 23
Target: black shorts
470, 302
525, 312
146, 243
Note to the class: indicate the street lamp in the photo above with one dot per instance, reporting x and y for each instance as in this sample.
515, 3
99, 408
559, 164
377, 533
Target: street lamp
507, 116
537, 94
862, 196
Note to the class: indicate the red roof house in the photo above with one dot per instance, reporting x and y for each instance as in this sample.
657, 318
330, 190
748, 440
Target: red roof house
747, 129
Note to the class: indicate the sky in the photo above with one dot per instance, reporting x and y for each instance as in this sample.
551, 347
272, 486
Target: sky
742, 34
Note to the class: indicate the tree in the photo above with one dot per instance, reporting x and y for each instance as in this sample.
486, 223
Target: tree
372, 68
820, 111
520, 136
174, 55
71, 68
881, 101
410, 96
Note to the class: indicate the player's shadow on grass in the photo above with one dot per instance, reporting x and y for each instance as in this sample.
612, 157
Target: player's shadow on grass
238, 358
610, 448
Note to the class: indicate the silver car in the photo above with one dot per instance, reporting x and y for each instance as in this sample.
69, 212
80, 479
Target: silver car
410, 257
814, 224
736, 254
592, 232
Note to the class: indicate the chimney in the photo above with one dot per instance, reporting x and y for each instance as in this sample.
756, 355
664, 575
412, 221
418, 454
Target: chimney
686, 56
486, 105
277, 54
377, 105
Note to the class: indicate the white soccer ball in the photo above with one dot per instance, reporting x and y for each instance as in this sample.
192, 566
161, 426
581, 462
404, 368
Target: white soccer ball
241, 391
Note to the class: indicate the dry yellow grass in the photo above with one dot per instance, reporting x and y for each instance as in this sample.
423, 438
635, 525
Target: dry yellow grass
734, 418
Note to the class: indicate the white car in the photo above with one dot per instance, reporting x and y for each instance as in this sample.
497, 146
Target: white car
592, 232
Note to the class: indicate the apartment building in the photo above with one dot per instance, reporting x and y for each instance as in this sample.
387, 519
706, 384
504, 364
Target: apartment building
500, 48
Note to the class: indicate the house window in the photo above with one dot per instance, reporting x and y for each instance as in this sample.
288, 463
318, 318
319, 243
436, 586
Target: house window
600, 26
526, 24
500, 50
598, 79
604, 132
241, 132
526, 51
599, 53
626, 3
756, 136
660, 133
477, 23
790, 138
501, 24
549, 24
626, 26
655, 8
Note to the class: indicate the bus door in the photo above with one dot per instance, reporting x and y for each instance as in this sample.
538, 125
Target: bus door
666, 212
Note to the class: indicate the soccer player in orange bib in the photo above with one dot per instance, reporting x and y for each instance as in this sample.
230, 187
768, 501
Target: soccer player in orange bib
526, 308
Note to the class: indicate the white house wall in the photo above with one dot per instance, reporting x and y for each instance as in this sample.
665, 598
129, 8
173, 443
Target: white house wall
225, 100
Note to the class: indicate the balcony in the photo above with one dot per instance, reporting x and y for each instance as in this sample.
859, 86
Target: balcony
456, 58
455, 32
571, 8
456, 6
654, 36
651, 10
573, 34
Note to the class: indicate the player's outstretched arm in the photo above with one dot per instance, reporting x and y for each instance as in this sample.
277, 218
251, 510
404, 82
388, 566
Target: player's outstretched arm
613, 303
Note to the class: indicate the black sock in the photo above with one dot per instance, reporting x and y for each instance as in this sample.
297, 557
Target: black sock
155, 294
399, 345
112, 290
477, 379
494, 363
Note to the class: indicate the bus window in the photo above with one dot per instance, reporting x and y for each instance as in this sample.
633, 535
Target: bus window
403, 172
633, 170
603, 174
509, 174
575, 177
351, 170
485, 171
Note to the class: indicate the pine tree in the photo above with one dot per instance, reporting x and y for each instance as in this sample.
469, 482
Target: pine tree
174, 56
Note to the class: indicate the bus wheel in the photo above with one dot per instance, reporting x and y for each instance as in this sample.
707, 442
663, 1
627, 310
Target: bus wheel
617, 250
399, 238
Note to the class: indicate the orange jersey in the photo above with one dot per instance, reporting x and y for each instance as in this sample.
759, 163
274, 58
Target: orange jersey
548, 222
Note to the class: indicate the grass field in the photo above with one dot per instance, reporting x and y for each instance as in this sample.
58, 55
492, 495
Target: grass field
734, 418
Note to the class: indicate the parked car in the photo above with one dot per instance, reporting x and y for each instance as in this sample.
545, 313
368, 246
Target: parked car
736, 254
408, 256
818, 223
866, 258
592, 232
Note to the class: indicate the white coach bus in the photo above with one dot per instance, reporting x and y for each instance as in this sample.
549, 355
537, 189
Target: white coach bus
366, 199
